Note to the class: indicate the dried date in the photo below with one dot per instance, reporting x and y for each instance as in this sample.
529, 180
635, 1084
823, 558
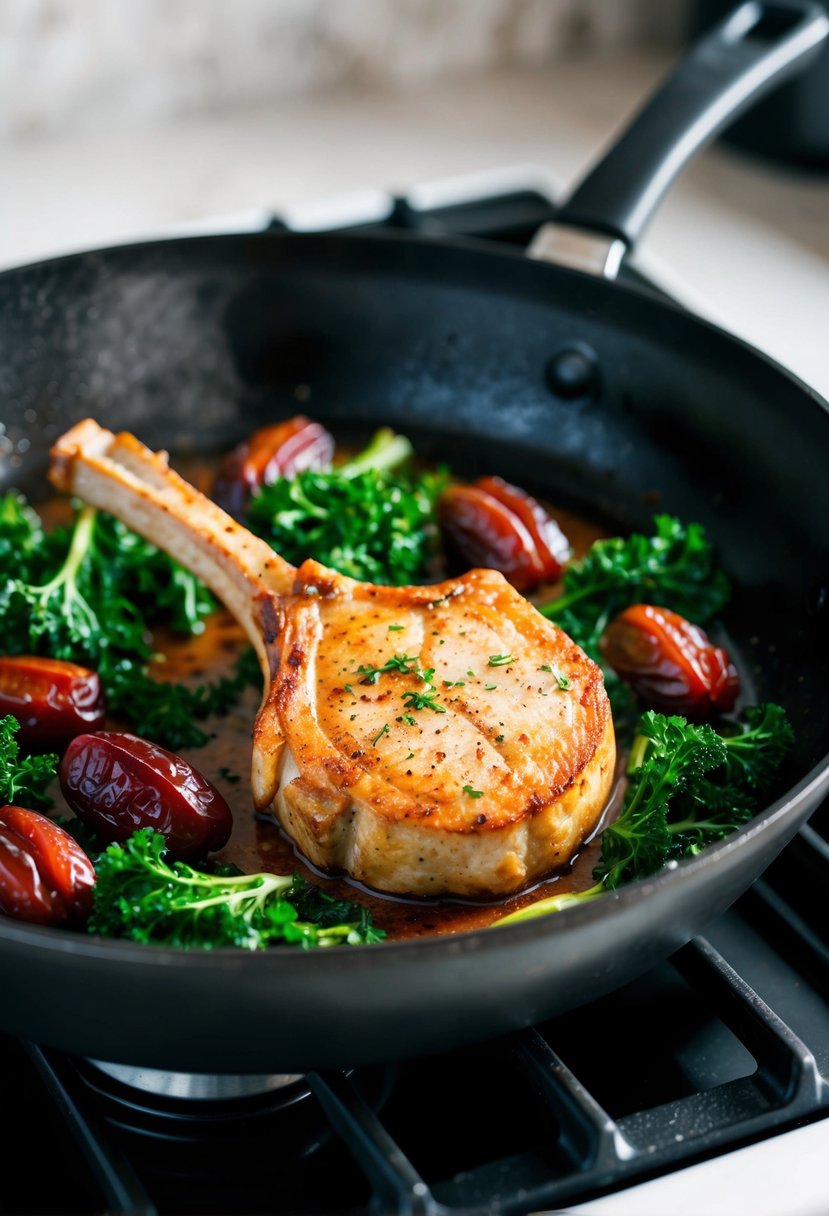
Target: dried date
45, 876
670, 663
53, 700
117, 782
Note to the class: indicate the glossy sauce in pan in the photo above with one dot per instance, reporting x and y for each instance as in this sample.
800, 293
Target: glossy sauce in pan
257, 843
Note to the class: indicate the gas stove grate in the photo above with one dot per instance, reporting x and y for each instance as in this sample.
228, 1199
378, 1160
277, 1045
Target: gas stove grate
692, 1060
591, 1150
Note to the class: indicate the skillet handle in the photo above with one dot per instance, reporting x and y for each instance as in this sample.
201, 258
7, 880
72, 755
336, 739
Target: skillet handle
744, 56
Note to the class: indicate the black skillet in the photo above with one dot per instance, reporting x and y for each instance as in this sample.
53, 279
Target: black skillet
601, 396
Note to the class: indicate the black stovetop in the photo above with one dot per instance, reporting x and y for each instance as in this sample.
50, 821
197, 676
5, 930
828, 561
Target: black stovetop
723, 1045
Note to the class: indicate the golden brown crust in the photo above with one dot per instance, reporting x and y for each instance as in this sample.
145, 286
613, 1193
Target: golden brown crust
480, 797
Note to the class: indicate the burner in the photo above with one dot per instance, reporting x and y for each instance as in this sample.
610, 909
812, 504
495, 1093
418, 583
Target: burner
196, 1086
197, 1141
178, 1107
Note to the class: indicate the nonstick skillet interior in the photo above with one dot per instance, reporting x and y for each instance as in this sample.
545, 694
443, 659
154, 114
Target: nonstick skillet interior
191, 344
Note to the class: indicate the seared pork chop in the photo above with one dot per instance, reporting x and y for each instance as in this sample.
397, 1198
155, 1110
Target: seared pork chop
427, 740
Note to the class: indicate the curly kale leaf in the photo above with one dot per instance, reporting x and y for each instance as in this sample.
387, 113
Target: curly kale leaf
162, 591
372, 518
674, 568
92, 594
21, 534
717, 803
688, 788
671, 753
170, 713
141, 896
24, 780
757, 747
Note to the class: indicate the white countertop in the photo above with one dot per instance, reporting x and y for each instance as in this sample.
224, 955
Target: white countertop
743, 242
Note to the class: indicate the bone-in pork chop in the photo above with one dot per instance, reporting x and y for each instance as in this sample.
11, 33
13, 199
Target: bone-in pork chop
427, 740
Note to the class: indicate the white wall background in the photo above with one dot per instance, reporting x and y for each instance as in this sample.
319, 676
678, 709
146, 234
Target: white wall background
83, 66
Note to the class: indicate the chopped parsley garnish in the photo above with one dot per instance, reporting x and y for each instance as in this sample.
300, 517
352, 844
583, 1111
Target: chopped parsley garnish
384, 730
395, 628
490, 687
423, 700
467, 789
406, 663
500, 660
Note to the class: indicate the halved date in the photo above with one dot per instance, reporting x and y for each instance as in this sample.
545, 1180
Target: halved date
670, 663
498, 526
45, 876
117, 782
53, 700
281, 450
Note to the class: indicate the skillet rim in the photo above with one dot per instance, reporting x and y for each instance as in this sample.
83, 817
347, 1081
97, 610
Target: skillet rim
815, 783
512, 254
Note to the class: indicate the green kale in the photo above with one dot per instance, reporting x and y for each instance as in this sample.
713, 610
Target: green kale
92, 594
23, 780
21, 533
160, 587
717, 803
688, 787
169, 713
757, 746
674, 568
669, 755
142, 897
105, 589
371, 518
